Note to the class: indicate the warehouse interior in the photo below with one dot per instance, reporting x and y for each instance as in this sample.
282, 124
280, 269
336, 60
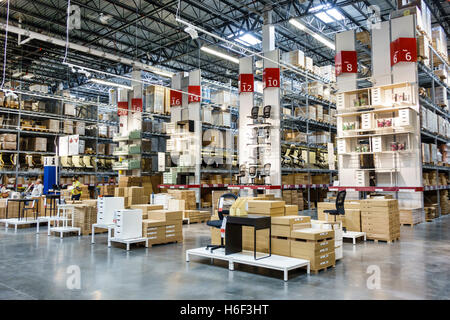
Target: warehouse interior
224, 149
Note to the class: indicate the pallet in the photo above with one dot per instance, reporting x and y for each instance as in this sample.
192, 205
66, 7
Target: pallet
162, 243
429, 220
322, 269
385, 240
198, 221
38, 129
409, 224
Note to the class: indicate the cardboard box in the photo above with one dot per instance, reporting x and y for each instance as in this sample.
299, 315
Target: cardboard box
312, 234
281, 246
263, 207
290, 210
307, 248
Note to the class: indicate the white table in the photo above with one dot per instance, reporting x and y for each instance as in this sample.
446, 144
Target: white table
63, 216
16, 222
274, 262
101, 226
128, 241
48, 220
354, 235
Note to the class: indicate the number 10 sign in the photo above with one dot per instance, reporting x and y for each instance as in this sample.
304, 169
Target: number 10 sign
271, 77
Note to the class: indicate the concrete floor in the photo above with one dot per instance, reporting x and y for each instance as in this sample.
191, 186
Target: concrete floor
35, 267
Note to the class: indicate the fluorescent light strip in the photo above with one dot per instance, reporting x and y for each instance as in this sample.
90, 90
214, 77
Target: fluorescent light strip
220, 54
317, 36
112, 84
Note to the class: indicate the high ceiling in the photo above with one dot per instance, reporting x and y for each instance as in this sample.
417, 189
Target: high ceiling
147, 31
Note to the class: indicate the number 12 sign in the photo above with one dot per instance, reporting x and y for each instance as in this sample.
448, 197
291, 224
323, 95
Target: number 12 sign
246, 82
271, 77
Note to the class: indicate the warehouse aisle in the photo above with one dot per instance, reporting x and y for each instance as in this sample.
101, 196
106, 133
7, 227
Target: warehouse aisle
38, 267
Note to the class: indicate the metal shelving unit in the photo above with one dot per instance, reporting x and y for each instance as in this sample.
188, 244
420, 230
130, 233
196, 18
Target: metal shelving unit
58, 103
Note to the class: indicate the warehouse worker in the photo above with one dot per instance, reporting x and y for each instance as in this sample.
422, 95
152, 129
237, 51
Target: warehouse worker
76, 188
38, 189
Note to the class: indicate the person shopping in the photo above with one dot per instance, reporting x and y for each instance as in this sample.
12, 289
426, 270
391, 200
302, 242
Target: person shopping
76, 188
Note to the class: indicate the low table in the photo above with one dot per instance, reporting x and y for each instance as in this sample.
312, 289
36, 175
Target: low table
354, 235
101, 226
62, 230
17, 222
274, 262
128, 241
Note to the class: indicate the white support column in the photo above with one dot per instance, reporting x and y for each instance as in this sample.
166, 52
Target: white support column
272, 97
345, 41
381, 59
195, 114
246, 100
410, 166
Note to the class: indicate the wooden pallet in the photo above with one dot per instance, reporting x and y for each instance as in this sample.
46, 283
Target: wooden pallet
198, 221
39, 129
385, 240
162, 243
322, 269
409, 224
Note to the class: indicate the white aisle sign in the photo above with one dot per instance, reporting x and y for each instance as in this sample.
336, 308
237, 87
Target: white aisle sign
74, 145
63, 146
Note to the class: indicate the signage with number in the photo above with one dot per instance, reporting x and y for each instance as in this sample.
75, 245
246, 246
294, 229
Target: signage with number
194, 94
346, 62
246, 82
122, 108
271, 77
175, 98
136, 104
403, 50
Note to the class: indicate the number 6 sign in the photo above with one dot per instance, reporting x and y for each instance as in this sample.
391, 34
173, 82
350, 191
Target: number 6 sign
403, 50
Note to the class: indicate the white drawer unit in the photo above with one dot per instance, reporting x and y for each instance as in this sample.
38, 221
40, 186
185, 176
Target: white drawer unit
128, 224
404, 118
341, 146
366, 121
377, 144
340, 101
376, 97
106, 207
362, 178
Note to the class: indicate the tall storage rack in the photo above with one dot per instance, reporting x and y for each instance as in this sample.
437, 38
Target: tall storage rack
56, 103
382, 73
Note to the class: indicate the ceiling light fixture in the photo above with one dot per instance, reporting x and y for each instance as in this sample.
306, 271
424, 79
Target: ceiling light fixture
220, 54
192, 32
317, 36
111, 84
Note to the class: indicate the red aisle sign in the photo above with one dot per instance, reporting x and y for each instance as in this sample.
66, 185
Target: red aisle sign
194, 94
246, 82
122, 108
271, 78
403, 50
346, 62
136, 104
175, 98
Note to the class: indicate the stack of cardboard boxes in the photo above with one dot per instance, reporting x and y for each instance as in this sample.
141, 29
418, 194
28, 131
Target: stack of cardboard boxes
146, 208
293, 197
8, 141
273, 208
187, 195
195, 216
380, 219
85, 214
430, 213
411, 216
315, 245
163, 226
352, 218
281, 232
